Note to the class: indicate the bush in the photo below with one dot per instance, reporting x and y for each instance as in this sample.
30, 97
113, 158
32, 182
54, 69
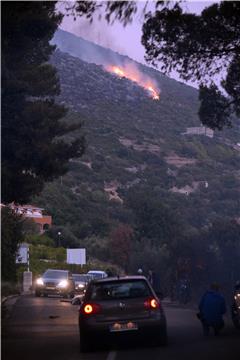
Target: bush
40, 240
12, 236
10, 288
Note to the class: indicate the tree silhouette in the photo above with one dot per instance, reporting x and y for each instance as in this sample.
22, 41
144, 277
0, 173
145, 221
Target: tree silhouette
33, 148
120, 244
203, 48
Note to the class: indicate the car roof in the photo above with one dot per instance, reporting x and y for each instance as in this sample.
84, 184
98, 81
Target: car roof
119, 278
97, 272
56, 270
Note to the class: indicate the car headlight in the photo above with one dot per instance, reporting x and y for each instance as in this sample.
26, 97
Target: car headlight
63, 283
81, 286
39, 281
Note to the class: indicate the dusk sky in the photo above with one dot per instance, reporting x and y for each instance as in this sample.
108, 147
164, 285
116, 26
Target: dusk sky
125, 40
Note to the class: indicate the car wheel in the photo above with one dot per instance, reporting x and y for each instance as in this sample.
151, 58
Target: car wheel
37, 293
84, 344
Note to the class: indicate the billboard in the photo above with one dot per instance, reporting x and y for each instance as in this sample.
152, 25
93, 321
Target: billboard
22, 254
76, 256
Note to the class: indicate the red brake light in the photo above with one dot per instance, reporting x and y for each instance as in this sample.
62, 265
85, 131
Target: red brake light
90, 309
151, 304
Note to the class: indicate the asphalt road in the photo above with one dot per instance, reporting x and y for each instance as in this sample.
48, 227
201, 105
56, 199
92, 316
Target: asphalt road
47, 328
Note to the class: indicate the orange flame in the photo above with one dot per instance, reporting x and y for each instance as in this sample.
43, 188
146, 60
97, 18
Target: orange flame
136, 76
154, 93
118, 71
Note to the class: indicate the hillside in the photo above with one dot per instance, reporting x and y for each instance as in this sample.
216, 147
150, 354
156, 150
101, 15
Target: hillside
135, 144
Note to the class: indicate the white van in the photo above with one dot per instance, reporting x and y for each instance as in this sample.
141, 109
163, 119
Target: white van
97, 274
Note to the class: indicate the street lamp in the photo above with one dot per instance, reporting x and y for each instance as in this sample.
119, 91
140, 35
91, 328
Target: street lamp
59, 235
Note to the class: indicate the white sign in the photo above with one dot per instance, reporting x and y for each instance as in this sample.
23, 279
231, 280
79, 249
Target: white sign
22, 254
76, 256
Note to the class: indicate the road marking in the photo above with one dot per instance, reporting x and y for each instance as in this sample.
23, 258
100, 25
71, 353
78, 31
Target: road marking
111, 355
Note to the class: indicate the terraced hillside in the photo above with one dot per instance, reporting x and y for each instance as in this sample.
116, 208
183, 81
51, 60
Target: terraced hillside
137, 144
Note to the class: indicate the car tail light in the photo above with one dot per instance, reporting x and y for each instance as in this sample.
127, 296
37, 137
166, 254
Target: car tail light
90, 309
151, 304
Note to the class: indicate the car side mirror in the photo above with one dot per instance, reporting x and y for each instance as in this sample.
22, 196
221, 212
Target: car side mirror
76, 300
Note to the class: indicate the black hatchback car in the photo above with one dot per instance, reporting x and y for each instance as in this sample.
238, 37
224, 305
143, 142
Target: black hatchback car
121, 308
55, 282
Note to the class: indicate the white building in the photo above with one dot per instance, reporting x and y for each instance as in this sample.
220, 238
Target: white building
203, 130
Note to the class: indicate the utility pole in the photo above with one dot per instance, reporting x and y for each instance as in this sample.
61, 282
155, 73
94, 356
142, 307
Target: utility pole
28, 259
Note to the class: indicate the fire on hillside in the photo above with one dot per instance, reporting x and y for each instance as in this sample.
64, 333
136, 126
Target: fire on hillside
135, 75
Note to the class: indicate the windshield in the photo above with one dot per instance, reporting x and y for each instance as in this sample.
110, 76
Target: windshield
120, 290
54, 274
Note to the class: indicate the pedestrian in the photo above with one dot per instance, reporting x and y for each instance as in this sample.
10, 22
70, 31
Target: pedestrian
212, 307
184, 291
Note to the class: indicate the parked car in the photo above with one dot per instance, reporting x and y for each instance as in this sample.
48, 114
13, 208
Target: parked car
81, 281
55, 282
121, 308
97, 274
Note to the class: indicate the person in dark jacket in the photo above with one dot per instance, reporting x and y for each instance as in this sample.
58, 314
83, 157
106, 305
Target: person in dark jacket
212, 307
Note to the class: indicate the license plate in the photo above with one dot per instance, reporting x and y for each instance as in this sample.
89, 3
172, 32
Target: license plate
50, 287
129, 326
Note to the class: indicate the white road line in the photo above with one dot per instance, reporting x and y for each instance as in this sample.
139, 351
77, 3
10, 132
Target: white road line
111, 355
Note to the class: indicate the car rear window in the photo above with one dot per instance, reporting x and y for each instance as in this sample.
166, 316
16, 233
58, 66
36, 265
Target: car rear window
120, 290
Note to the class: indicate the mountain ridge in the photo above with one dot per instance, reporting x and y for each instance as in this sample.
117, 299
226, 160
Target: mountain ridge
135, 143
99, 55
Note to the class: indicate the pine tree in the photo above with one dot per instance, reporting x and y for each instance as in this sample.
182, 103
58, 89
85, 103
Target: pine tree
204, 48
33, 148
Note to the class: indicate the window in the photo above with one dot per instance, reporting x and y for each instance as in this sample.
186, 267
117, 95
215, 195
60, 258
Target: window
120, 290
